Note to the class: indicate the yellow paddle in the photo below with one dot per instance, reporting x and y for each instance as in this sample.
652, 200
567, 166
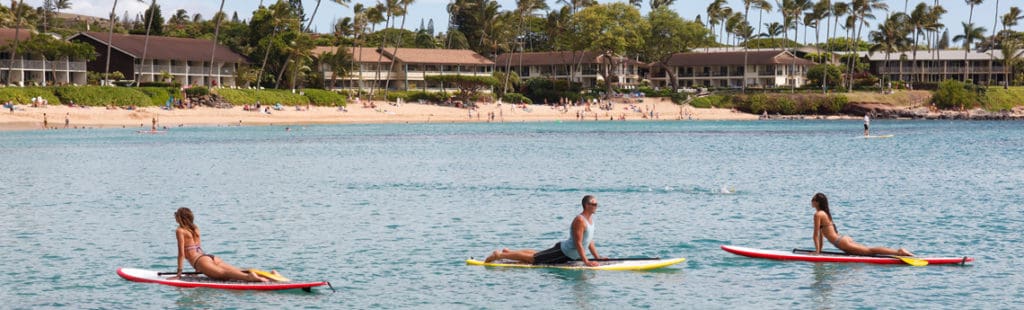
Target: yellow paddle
916, 262
271, 276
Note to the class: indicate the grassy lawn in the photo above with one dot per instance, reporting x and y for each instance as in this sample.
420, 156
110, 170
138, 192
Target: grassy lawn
1004, 99
900, 98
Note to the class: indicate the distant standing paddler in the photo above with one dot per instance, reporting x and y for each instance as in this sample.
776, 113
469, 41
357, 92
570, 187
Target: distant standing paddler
867, 123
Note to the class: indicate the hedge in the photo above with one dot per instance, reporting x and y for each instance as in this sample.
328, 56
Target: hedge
264, 96
102, 96
24, 95
322, 97
516, 98
159, 95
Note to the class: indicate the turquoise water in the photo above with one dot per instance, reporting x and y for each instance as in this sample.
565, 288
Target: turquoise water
389, 213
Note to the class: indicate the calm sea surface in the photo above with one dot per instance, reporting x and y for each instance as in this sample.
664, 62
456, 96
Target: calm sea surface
389, 213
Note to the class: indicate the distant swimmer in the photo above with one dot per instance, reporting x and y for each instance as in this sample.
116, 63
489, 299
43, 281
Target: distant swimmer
211, 266
581, 234
824, 227
867, 123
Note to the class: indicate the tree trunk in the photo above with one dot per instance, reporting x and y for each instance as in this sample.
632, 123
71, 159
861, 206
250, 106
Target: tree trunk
145, 46
110, 38
216, 36
398, 43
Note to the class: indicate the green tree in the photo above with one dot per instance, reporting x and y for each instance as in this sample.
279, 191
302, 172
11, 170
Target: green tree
954, 94
826, 74
613, 29
671, 34
469, 85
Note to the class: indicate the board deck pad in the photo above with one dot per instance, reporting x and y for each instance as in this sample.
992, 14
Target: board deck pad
833, 258
191, 281
625, 264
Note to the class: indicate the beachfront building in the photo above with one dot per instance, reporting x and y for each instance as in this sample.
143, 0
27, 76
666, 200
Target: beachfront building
184, 60
31, 69
406, 68
581, 67
938, 65
369, 68
764, 69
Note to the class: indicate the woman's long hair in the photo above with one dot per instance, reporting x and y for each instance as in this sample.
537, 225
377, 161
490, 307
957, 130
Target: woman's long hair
184, 216
822, 202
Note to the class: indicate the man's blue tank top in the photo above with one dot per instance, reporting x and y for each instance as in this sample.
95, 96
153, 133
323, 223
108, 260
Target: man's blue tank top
569, 246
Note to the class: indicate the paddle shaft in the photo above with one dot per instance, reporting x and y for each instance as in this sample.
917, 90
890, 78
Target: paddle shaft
175, 273
848, 254
628, 258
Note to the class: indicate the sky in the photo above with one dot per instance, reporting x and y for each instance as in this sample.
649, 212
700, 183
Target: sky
435, 9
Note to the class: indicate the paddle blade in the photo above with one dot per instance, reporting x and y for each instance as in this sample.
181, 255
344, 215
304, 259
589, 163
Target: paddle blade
913, 261
271, 276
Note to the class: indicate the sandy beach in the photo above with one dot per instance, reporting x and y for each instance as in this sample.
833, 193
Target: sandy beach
30, 118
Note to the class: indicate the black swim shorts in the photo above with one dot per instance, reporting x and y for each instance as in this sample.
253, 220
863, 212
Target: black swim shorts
550, 256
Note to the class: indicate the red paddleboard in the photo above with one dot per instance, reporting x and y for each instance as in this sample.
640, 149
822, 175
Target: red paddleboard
150, 276
836, 257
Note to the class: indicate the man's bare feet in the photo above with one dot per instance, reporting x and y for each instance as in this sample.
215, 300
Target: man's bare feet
904, 252
494, 256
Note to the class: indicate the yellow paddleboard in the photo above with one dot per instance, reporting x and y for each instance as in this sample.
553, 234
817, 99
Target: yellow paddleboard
625, 264
271, 276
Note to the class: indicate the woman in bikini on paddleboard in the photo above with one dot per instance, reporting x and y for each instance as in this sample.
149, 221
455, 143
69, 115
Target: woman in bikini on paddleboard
211, 266
825, 228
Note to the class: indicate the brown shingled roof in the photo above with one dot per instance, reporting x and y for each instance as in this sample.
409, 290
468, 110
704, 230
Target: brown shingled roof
549, 58
7, 35
437, 56
736, 58
368, 54
186, 49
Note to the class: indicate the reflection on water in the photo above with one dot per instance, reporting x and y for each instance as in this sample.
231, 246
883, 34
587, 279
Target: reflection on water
827, 276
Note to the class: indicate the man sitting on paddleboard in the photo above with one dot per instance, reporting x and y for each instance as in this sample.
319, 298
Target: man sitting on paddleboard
211, 266
824, 227
580, 237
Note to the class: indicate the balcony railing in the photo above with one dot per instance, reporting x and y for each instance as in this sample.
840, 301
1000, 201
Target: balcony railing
41, 65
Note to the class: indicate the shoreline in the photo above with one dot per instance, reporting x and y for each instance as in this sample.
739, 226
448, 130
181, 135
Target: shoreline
30, 118
26, 117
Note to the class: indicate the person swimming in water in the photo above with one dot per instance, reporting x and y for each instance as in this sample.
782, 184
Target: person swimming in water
581, 234
825, 228
211, 266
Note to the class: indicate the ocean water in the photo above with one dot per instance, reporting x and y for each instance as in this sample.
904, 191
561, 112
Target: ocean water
389, 213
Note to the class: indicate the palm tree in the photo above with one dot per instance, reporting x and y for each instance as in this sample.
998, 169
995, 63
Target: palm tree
179, 18
839, 9
403, 12
971, 34
1011, 56
918, 19
761, 6
219, 18
528, 7
716, 11
970, 21
1011, 18
145, 45
992, 56
655, 4
18, 12
861, 10
889, 38
773, 30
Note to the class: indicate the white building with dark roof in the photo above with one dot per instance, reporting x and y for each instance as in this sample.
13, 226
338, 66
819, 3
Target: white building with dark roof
938, 65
